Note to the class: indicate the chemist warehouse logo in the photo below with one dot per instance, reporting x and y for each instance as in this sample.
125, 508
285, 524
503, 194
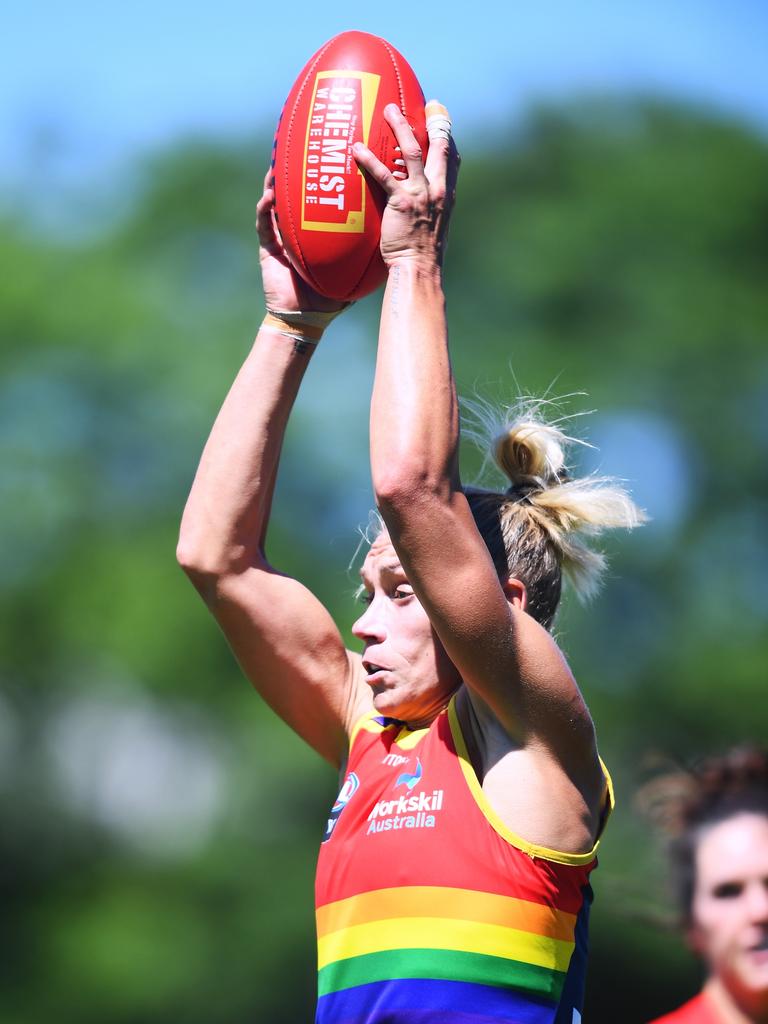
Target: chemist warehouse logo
417, 811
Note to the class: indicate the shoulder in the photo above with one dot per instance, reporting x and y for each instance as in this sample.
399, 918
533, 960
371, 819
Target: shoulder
528, 790
695, 1011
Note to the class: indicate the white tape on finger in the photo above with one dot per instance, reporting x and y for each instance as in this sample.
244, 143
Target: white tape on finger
439, 127
438, 121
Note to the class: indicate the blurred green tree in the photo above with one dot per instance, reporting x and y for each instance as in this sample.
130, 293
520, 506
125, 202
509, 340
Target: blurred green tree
160, 825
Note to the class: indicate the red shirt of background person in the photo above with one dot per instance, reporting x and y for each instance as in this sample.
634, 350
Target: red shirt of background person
720, 856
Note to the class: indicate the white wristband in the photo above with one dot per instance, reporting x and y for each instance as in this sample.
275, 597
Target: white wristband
299, 324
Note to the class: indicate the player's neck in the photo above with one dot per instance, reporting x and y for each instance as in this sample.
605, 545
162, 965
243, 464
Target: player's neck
729, 1011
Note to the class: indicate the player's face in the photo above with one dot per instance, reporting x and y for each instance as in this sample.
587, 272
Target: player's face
406, 666
730, 906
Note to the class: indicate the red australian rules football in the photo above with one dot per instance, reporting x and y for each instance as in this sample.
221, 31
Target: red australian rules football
328, 216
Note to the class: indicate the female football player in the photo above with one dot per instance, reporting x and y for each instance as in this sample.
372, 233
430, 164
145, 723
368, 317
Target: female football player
452, 883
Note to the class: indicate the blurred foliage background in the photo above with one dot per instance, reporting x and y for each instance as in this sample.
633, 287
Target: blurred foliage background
159, 825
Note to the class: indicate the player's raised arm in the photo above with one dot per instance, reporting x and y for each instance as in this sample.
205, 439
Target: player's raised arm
283, 637
477, 607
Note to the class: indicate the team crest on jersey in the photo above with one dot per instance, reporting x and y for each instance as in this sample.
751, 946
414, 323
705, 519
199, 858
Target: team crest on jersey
347, 791
408, 780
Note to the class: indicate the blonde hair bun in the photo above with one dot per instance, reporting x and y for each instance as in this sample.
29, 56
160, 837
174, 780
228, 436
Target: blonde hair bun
530, 452
544, 501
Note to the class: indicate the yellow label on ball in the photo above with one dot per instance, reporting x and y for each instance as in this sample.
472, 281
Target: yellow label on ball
333, 188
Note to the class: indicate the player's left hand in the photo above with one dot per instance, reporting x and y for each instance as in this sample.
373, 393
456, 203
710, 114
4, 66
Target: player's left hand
284, 289
415, 221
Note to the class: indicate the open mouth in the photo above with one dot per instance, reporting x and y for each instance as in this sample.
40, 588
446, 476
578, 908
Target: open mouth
758, 954
372, 669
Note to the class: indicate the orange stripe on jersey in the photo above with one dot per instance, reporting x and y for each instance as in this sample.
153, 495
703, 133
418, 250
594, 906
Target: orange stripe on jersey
439, 902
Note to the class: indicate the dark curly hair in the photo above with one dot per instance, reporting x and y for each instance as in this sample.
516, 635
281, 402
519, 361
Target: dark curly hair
685, 803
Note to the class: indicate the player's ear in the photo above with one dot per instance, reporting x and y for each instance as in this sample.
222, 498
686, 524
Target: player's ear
516, 593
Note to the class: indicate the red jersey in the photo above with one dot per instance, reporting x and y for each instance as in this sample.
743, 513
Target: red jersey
429, 909
698, 1010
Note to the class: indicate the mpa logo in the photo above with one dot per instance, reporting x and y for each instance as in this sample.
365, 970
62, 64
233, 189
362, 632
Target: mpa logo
347, 791
395, 760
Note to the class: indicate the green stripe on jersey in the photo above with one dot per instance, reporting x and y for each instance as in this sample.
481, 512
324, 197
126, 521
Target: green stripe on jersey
444, 964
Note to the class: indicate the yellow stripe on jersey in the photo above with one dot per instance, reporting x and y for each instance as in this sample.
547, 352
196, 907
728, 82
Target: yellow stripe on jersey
443, 933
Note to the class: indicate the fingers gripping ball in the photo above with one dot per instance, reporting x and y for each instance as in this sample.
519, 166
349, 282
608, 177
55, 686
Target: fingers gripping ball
328, 214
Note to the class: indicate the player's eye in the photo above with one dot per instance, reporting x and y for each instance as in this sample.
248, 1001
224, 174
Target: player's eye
401, 593
364, 596
727, 890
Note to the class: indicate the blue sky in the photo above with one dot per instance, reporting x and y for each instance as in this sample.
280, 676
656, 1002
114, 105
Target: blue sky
104, 80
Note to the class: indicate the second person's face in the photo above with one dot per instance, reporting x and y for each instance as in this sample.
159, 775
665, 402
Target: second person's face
730, 906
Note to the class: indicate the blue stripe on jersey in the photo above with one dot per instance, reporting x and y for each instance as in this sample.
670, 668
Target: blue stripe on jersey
430, 1001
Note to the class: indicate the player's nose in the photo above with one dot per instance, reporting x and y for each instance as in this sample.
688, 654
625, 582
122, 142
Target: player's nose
370, 625
757, 900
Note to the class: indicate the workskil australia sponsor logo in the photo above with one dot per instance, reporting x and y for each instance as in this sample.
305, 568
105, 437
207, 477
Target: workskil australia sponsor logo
418, 810
347, 791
